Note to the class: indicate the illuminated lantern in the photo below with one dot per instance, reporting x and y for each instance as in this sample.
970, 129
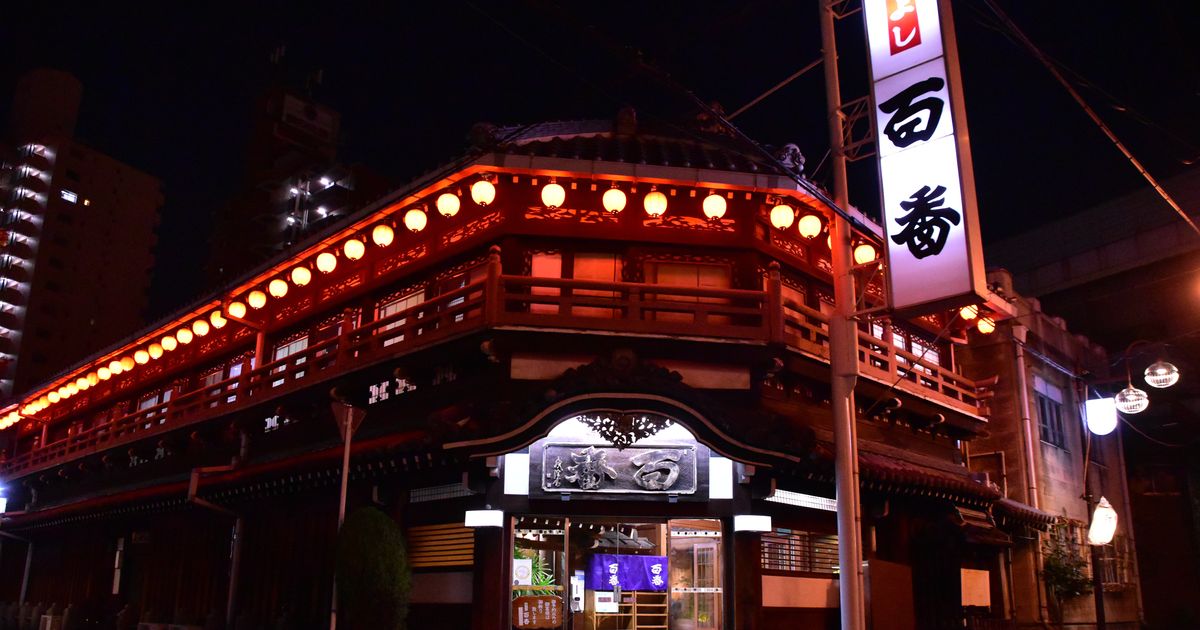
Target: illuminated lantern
53, 397
353, 249
1104, 523
257, 299
277, 287
116, 367
969, 312
326, 263
301, 276
483, 192
44, 402
128, 363
810, 226
218, 321
415, 220
200, 327
1132, 400
141, 357
184, 335
655, 203
383, 235
92, 378
613, 200
104, 373
714, 207
82, 383
155, 350
1101, 415
236, 310
986, 325
65, 392
1161, 374
448, 204
553, 195
169, 343
782, 216
864, 254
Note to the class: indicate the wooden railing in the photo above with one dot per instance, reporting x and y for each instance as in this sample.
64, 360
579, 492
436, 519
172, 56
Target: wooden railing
520, 302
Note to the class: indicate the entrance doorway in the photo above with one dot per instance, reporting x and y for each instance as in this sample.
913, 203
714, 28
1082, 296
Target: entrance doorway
610, 573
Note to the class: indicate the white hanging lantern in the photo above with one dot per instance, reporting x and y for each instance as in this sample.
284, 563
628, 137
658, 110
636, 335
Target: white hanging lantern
483, 192
553, 195
613, 200
655, 203
714, 207
864, 254
415, 220
810, 226
969, 312
448, 204
1104, 523
986, 325
783, 216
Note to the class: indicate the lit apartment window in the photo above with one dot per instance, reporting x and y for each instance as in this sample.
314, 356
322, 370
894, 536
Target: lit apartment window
68, 195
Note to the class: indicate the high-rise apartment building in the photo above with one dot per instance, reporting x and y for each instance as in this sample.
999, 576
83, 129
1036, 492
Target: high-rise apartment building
77, 237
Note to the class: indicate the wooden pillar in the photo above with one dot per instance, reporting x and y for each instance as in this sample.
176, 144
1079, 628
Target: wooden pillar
489, 610
743, 564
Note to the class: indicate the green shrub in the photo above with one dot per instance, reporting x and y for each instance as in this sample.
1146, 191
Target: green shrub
373, 576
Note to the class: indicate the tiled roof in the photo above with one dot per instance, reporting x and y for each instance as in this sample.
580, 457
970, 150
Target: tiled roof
659, 146
1015, 511
889, 470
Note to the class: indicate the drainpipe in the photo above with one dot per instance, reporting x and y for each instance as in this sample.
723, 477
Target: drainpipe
235, 560
28, 562
1019, 335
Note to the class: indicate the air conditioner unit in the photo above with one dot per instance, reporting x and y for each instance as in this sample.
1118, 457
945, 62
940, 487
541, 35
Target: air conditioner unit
50, 622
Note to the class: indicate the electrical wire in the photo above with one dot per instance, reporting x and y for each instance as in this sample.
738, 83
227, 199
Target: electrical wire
1049, 65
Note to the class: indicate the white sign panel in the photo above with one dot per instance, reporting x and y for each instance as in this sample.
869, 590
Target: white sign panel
933, 254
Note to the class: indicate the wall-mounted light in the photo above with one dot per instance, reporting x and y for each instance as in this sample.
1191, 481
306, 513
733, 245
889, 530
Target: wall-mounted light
1101, 415
751, 523
484, 518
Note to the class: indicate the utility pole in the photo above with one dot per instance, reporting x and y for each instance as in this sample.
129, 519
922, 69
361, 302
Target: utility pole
843, 350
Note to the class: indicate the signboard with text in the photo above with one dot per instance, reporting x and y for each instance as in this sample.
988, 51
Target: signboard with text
931, 228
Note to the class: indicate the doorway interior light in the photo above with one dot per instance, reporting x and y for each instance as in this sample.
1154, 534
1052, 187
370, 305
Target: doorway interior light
751, 523
484, 518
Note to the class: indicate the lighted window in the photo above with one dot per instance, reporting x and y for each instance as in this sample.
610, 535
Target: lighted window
394, 306
285, 350
68, 195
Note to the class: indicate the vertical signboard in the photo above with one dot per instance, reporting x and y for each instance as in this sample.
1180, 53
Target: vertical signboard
934, 256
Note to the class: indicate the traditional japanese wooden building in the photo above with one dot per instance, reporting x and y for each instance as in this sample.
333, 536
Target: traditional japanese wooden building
589, 334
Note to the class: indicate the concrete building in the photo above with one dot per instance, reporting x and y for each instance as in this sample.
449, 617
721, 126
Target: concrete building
1040, 453
1127, 274
78, 236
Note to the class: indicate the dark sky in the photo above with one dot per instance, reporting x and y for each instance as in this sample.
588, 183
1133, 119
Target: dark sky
171, 91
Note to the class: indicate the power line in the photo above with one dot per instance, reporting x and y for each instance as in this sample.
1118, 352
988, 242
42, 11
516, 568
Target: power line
795, 75
1049, 65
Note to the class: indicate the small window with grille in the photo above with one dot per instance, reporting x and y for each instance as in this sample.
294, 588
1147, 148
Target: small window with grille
792, 551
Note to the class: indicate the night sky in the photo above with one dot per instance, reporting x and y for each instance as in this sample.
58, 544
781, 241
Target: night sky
171, 92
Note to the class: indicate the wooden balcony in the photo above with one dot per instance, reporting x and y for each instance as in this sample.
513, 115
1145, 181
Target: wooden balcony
522, 303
